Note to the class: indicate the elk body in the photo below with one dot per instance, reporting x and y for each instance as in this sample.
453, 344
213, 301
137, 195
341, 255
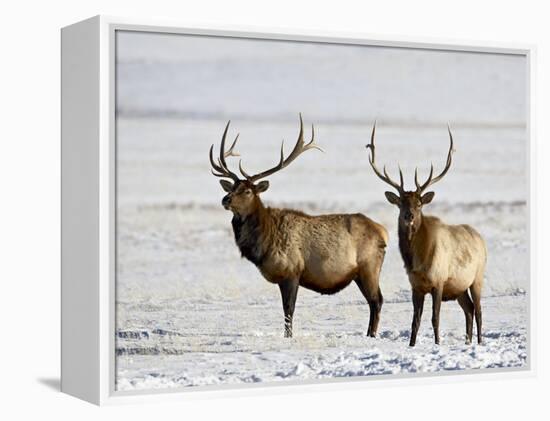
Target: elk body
292, 249
443, 260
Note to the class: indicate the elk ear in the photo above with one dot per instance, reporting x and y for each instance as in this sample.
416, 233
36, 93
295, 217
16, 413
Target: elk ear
392, 198
262, 186
227, 185
427, 198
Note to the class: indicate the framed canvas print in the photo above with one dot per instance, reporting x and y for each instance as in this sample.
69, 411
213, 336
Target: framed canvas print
243, 210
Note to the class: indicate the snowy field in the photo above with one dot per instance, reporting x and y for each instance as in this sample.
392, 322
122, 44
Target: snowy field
191, 312
330, 341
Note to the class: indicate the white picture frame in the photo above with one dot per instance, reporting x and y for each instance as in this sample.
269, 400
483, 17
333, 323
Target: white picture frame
89, 196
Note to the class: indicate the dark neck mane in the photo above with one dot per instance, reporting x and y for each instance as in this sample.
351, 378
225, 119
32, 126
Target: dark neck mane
252, 233
406, 245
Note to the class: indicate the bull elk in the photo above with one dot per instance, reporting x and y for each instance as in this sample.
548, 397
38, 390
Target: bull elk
291, 249
443, 260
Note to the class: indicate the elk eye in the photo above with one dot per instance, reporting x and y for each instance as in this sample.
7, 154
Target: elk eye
248, 192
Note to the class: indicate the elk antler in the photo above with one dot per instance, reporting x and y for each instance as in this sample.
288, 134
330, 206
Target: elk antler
299, 148
430, 181
384, 177
221, 166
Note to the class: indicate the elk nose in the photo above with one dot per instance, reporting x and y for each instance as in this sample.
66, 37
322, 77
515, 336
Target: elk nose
226, 201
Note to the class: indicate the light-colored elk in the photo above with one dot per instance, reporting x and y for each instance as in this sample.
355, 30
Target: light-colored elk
443, 260
291, 249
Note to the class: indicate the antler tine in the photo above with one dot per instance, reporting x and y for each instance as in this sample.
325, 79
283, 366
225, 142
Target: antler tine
243, 172
221, 166
214, 165
230, 152
400, 176
420, 188
298, 149
431, 180
384, 177
222, 148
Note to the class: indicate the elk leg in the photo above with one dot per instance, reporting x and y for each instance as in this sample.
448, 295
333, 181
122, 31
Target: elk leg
468, 307
475, 290
375, 301
289, 291
378, 310
437, 295
418, 306
368, 283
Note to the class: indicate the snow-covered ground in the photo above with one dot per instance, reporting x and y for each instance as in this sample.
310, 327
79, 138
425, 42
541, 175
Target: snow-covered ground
190, 311
219, 343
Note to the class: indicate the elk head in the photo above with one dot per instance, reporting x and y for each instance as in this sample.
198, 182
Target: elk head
242, 196
409, 202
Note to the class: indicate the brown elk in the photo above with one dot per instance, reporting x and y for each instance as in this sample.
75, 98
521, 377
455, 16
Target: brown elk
291, 249
443, 260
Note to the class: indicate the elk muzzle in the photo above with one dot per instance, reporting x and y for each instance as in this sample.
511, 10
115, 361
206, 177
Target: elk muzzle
409, 224
226, 201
